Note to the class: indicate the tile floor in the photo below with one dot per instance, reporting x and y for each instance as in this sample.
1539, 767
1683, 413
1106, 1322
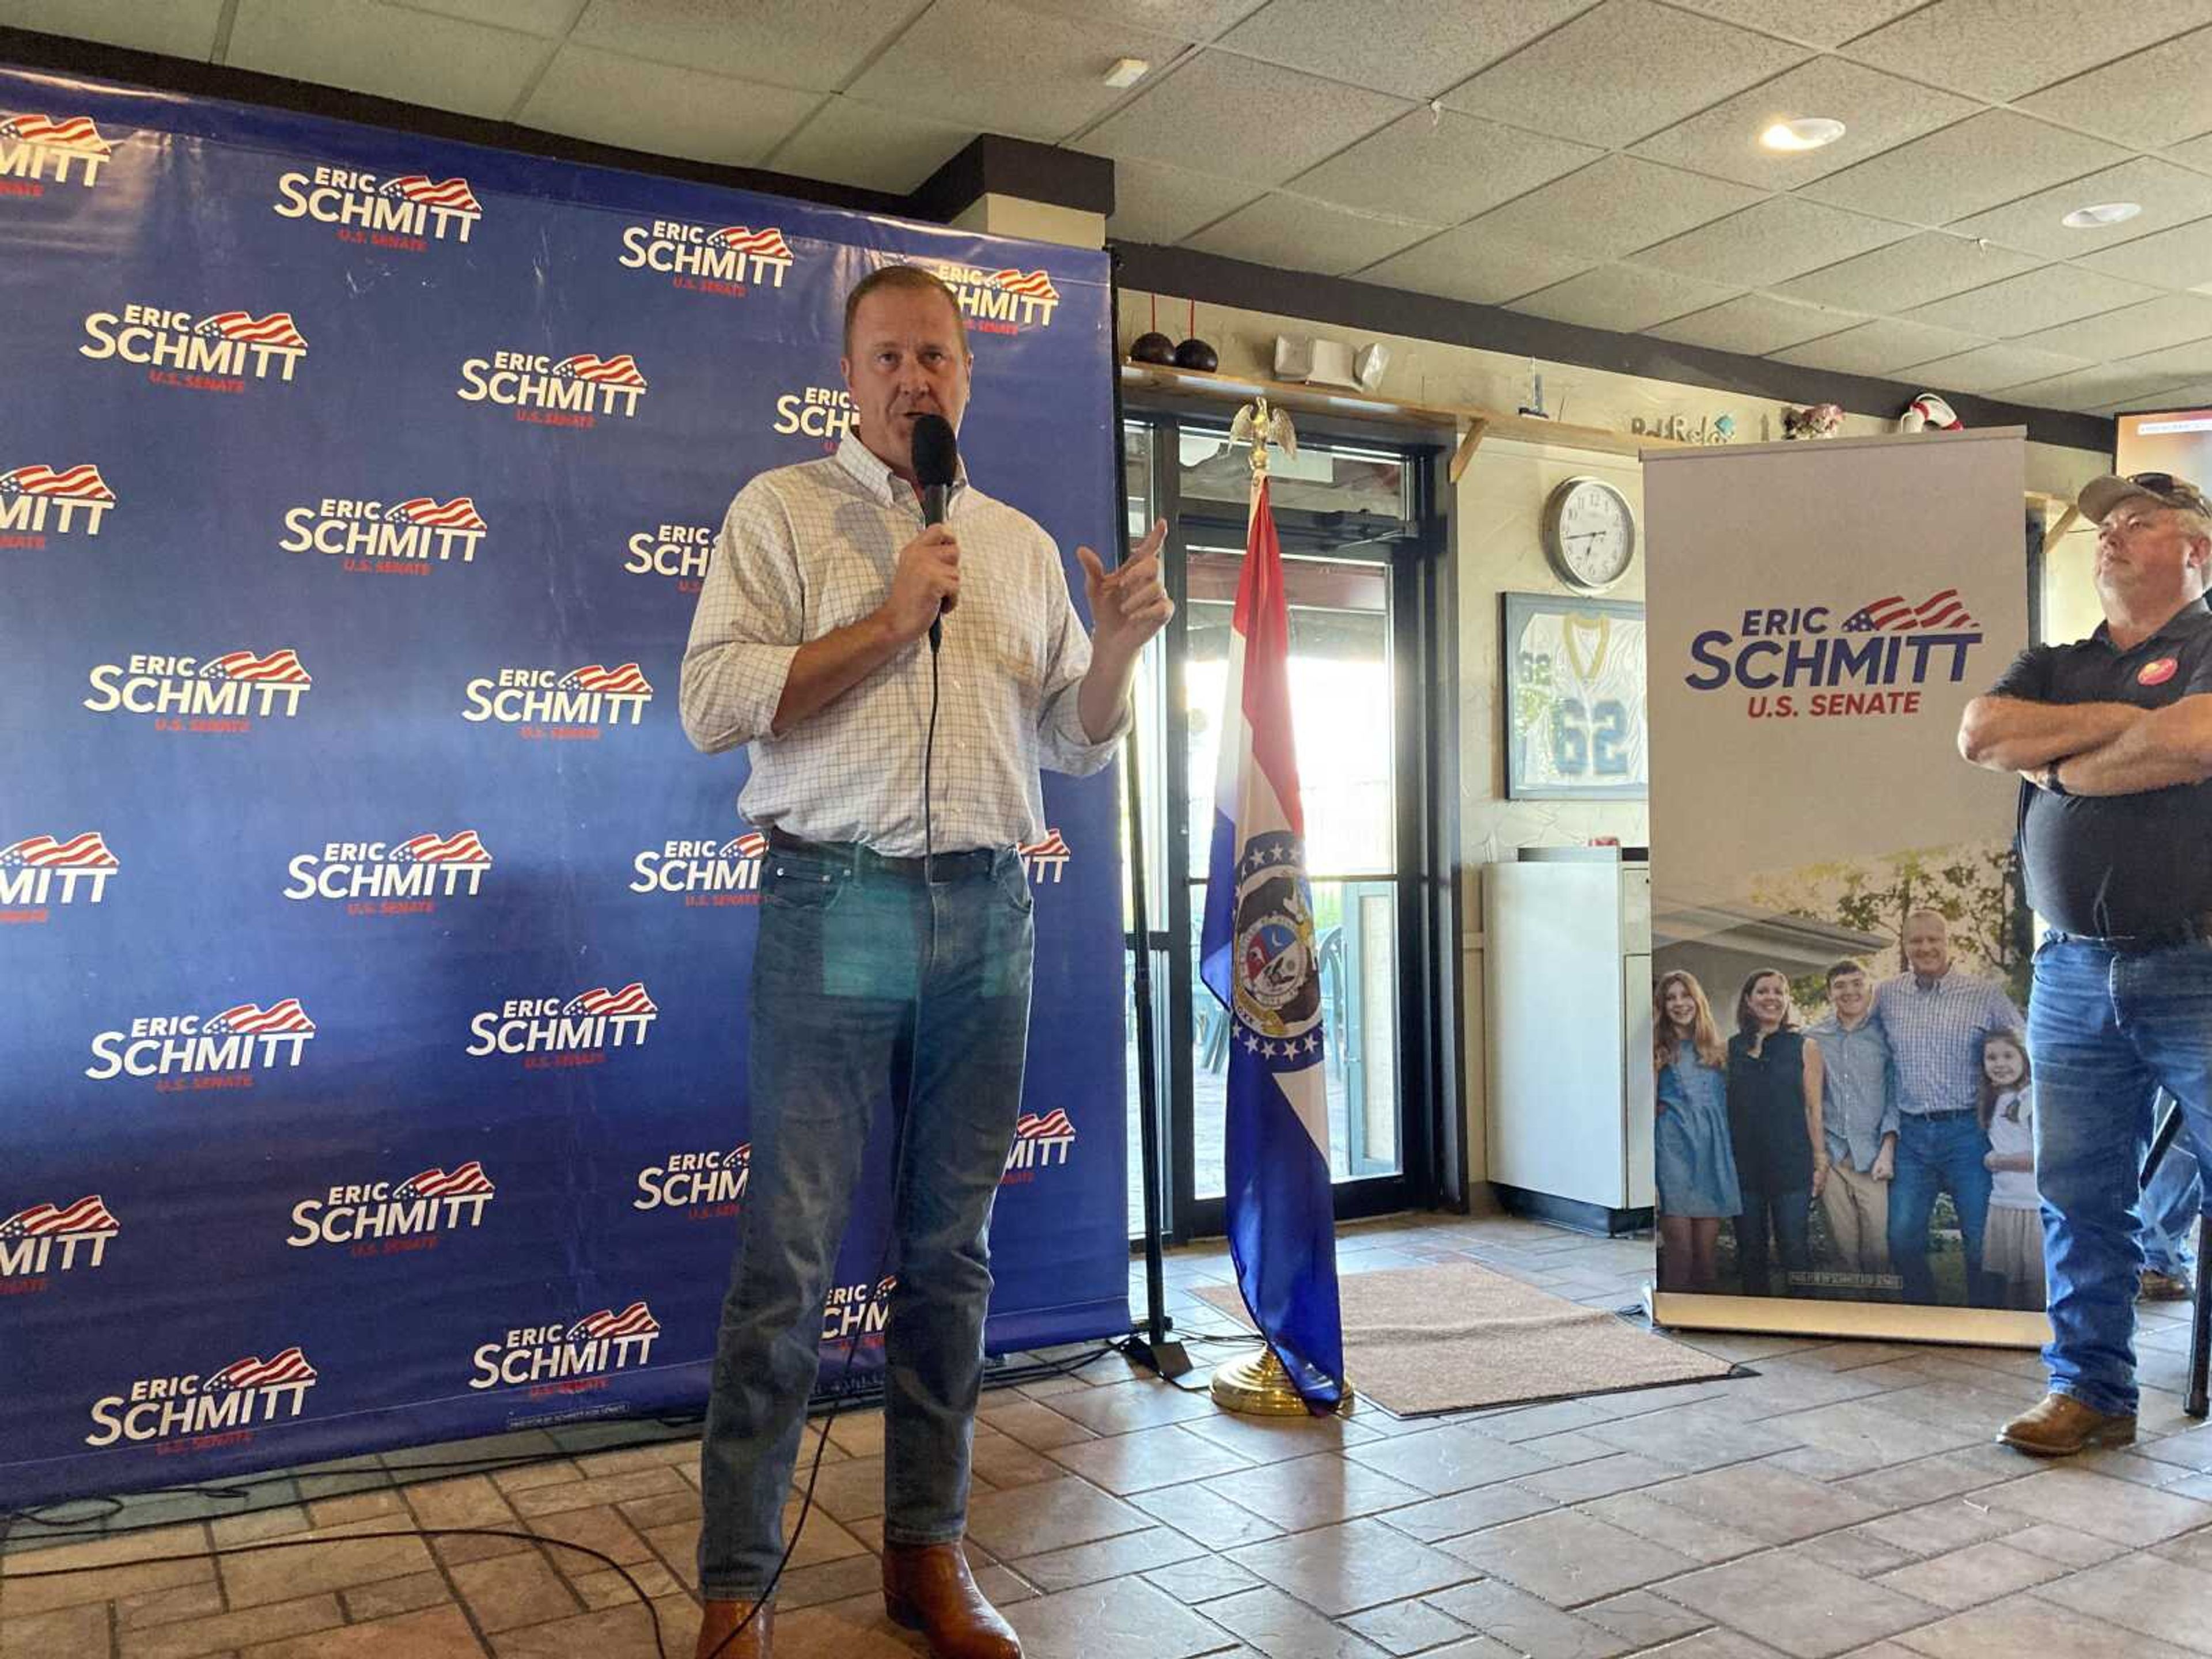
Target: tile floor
1845, 1500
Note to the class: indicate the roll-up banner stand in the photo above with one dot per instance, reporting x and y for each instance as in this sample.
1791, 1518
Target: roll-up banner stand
1820, 613
375, 943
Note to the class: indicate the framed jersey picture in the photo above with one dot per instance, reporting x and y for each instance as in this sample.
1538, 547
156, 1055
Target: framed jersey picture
1574, 699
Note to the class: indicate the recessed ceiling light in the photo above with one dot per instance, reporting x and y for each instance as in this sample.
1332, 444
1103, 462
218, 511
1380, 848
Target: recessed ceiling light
1807, 132
1126, 72
2102, 213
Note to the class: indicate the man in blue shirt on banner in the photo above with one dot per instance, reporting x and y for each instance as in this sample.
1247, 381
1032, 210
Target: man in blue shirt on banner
894, 946
2112, 736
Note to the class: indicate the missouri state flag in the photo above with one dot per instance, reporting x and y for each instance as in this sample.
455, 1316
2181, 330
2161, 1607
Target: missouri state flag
1257, 955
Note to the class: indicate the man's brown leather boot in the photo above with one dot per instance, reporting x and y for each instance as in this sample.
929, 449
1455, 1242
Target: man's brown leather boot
927, 1587
755, 1641
2061, 1425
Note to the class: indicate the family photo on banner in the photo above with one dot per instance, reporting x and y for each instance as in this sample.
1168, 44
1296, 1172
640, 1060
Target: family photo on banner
1845, 1097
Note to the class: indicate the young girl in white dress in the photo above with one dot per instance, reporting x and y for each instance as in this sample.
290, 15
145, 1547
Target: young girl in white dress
2012, 1244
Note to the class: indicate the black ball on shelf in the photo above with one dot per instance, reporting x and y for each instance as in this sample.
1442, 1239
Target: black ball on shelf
1195, 353
1153, 348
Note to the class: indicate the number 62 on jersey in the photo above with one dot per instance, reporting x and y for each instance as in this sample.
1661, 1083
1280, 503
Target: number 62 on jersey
1574, 699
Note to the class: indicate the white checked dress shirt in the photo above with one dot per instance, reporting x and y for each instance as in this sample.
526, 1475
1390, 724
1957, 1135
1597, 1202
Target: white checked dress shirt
1935, 1030
807, 548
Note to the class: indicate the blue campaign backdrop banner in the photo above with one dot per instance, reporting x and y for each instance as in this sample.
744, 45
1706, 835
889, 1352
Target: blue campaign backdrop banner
376, 943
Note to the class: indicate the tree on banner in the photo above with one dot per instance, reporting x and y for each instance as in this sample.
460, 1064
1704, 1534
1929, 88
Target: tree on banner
1257, 955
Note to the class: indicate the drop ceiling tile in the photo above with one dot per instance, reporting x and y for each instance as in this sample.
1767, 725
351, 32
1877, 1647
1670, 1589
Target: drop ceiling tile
407, 55
1442, 166
1621, 71
1614, 207
2197, 153
177, 29
1881, 347
2196, 395
1218, 108
1778, 237
791, 43
2038, 300
1622, 298
2180, 257
2168, 194
1987, 368
1153, 204
2191, 361
1298, 234
2145, 101
1976, 164
2168, 320
2091, 388
550, 18
2002, 50
989, 64
1907, 273
848, 141
1828, 23
1880, 110
1414, 51
1755, 323
1186, 20
1471, 263
655, 106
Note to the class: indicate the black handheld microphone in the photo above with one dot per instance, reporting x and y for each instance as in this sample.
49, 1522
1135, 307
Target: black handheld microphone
936, 464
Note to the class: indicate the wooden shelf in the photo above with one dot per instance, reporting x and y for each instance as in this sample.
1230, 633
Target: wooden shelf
1455, 417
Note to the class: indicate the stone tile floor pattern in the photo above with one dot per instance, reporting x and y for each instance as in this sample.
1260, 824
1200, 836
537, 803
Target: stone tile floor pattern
1845, 1500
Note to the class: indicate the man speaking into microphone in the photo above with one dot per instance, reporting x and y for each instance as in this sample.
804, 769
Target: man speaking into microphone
894, 782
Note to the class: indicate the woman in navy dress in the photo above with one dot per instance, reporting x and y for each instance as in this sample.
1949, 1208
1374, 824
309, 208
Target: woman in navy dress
1692, 1160
1774, 1079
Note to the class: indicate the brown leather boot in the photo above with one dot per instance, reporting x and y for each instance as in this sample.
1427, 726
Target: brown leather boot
755, 1641
2061, 1425
927, 1587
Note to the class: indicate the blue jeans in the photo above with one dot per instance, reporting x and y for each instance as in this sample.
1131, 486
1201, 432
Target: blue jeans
868, 985
2171, 1204
2107, 1032
1939, 1154
1791, 1215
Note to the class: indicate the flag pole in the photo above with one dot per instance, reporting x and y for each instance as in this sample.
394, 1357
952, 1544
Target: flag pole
1258, 1385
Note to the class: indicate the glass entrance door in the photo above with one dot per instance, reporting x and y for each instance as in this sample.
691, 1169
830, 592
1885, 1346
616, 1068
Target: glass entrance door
1342, 515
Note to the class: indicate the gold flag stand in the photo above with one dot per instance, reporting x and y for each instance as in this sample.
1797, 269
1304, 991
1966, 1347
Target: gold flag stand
1260, 1387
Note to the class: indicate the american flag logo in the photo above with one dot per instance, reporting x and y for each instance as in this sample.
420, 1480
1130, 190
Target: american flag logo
88, 1215
458, 514
255, 1372
630, 1000
454, 195
750, 845
276, 331
884, 1286
84, 852
466, 1182
1893, 616
607, 371
1035, 284
626, 681
76, 133
1053, 1126
765, 244
460, 848
79, 483
635, 1320
1052, 847
277, 668
284, 1019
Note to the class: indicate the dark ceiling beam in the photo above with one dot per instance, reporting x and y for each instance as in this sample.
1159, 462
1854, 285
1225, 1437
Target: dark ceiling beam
1212, 279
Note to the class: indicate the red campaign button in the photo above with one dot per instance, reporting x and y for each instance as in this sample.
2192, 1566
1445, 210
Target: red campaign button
2155, 673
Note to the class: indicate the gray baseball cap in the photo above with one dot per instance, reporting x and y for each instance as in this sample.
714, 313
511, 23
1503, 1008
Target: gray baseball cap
2101, 495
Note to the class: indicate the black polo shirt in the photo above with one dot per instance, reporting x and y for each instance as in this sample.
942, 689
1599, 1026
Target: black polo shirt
2118, 864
